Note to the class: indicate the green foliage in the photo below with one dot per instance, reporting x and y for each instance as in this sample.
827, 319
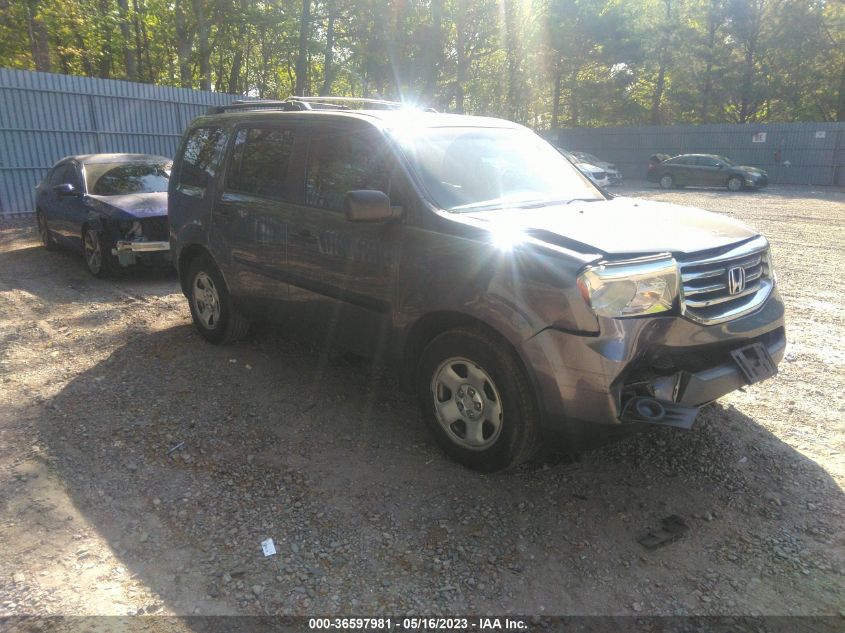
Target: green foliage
542, 62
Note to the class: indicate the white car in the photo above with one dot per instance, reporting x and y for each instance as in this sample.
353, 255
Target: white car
613, 173
596, 174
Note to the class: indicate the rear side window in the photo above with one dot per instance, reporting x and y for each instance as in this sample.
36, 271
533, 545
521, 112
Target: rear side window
201, 158
260, 163
342, 161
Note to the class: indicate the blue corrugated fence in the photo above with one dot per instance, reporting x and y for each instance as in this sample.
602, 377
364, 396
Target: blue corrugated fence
44, 117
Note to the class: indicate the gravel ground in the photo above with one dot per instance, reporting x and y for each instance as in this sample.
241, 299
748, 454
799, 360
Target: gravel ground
324, 454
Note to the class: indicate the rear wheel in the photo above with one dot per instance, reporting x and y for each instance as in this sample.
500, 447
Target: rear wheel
214, 313
734, 183
98, 257
666, 181
47, 238
477, 401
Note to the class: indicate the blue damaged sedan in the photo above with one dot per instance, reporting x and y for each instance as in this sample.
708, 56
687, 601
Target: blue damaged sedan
110, 207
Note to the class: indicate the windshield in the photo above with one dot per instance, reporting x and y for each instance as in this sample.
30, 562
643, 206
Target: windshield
727, 161
114, 179
466, 169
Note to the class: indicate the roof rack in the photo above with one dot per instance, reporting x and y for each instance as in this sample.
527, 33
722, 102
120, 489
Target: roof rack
295, 103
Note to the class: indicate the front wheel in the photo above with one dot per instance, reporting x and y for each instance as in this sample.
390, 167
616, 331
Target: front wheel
734, 183
477, 401
215, 315
98, 257
667, 182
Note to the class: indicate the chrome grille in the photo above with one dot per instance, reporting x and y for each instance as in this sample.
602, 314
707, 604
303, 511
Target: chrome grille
710, 295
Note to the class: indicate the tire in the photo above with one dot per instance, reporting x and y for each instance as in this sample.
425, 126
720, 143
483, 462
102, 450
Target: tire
97, 253
47, 238
734, 183
488, 420
667, 182
214, 312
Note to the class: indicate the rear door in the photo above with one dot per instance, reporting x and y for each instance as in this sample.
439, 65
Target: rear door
682, 170
710, 171
193, 187
263, 182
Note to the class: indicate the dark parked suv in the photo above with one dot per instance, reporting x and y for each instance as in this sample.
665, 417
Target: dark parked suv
513, 295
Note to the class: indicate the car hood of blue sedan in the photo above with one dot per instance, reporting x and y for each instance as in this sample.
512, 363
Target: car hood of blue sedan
138, 205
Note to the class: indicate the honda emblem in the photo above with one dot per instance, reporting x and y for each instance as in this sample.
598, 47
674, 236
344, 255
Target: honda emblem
736, 280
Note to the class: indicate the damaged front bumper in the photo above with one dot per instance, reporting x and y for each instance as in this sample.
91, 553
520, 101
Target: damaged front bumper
127, 251
619, 375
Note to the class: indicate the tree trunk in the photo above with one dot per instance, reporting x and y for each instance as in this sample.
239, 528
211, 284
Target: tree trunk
840, 101
38, 41
126, 34
183, 45
87, 67
328, 64
302, 57
240, 45
433, 57
137, 22
747, 86
513, 53
657, 97
555, 123
707, 89
105, 51
663, 57
461, 53
203, 50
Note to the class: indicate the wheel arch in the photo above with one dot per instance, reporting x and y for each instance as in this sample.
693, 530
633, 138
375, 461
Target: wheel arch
183, 263
431, 325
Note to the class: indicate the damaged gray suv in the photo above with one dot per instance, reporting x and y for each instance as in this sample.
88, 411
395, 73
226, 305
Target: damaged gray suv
510, 293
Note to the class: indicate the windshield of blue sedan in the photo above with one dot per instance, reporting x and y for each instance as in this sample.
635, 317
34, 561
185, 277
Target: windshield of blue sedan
114, 179
470, 169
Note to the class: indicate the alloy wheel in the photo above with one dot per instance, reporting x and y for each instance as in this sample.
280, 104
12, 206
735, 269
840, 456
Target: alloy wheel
93, 251
206, 300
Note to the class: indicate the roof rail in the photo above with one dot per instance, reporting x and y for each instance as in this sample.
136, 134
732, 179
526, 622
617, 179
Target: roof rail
295, 103
343, 101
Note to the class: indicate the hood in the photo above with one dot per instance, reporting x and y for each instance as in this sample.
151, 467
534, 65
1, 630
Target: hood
623, 226
137, 205
589, 167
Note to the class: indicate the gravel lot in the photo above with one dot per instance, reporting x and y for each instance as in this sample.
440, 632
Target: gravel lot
324, 454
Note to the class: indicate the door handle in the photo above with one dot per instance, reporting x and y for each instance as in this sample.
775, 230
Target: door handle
306, 236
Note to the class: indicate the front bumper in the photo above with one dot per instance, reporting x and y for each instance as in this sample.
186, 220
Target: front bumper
590, 378
128, 251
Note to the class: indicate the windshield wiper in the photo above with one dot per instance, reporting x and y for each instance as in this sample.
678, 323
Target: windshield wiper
584, 200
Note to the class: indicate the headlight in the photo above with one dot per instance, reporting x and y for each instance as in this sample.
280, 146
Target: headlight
769, 265
632, 288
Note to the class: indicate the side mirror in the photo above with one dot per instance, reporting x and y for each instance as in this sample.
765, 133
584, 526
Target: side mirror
368, 206
66, 189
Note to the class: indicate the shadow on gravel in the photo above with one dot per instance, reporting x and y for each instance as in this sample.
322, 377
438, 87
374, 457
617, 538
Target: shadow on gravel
34, 270
327, 457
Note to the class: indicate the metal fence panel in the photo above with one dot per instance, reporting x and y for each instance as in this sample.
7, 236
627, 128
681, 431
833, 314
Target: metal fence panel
792, 153
44, 117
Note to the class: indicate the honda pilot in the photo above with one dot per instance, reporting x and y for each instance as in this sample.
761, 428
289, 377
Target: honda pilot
513, 296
